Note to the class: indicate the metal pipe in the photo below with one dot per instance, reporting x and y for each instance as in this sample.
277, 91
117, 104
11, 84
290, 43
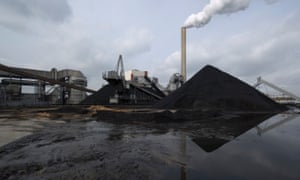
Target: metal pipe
183, 53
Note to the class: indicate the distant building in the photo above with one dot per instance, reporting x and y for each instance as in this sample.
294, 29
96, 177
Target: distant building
18, 90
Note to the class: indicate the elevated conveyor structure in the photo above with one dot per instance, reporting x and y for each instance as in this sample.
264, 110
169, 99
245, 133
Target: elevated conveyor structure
71, 84
39, 75
291, 97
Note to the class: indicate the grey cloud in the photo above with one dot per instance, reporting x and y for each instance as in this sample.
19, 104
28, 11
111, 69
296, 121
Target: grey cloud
135, 41
54, 10
168, 67
20, 14
16, 6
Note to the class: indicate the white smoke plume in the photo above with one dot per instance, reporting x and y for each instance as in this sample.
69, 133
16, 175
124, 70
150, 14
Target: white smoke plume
217, 7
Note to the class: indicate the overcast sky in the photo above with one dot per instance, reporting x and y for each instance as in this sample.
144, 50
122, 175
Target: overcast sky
88, 35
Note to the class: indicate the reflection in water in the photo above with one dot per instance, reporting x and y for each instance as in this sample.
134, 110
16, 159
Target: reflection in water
285, 118
250, 156
183, 154
12, 129
217, 138
209, 144
215, 134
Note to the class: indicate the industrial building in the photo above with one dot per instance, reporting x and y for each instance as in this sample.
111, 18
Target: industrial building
132, 87
30, 87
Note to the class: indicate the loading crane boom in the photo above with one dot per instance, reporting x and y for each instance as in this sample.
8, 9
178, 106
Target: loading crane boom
120, 68
262, 81
116, 75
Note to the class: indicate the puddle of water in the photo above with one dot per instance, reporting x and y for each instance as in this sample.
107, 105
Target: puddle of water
13, 129
265, 153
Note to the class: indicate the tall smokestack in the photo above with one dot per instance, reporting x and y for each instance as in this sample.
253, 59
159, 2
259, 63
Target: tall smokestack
183, 53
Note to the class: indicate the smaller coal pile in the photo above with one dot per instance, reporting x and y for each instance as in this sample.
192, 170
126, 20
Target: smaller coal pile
213, 89
101, 97
132, 95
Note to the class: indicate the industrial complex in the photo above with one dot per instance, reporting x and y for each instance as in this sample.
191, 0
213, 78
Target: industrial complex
205, 125
132, 87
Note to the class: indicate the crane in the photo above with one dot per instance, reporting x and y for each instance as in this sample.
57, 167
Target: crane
117, 74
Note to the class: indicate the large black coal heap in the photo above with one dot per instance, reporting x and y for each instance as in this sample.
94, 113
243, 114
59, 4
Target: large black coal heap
212, 88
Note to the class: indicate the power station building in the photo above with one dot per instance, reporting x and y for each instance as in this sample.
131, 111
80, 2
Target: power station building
30, 87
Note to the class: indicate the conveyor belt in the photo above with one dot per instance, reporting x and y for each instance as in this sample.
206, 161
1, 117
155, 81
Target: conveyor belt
51, 81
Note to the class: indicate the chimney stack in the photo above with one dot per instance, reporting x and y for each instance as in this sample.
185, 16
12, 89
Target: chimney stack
183, 53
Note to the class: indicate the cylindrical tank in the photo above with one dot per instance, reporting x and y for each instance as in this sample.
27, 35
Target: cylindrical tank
77, 78
54, 73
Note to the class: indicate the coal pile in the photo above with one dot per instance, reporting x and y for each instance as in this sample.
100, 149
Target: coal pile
101, 97
213, 89
144, 96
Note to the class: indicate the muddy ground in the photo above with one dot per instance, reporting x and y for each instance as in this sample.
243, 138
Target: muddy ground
96, 142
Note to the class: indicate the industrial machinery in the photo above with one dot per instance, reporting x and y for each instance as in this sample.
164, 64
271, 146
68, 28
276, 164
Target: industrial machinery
132, 87
285, 98
175, 82
117, 75
47, 87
